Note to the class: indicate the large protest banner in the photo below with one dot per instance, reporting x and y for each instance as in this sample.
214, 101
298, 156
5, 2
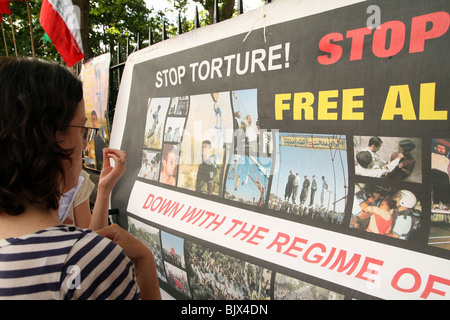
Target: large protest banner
298, 151
95, 77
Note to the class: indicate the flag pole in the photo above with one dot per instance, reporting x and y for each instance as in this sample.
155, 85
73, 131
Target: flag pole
31, 27
3, 32
14, 37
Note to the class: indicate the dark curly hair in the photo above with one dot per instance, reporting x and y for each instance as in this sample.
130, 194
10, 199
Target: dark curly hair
38, 99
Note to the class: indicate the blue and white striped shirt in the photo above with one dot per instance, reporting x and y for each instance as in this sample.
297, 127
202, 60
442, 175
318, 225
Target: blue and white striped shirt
65, 262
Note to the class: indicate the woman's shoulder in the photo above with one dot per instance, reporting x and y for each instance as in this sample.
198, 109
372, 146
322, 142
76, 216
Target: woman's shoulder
88, 242
100, 266
66, 262
63, 235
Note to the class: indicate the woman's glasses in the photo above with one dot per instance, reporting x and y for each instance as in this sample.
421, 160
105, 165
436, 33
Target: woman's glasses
89, 133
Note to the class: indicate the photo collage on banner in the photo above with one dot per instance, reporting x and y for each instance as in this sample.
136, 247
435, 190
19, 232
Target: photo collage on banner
378, 157
440, 193
229, 155
303, 160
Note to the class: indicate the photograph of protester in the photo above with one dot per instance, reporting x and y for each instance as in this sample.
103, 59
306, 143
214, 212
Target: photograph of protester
156, 115
209, 120
151, 161
388, 211
392, 158
169, 164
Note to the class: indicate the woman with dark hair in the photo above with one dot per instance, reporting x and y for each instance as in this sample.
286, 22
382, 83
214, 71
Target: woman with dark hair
42, 135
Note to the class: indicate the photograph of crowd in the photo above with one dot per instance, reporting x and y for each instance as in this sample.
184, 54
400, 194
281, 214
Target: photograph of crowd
310, 212
390, 158
150, 236
387, 211
177, 279
287, 288
173, 251
440, 198
217, 276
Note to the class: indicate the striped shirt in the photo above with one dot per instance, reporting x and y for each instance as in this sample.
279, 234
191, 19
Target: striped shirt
65, 262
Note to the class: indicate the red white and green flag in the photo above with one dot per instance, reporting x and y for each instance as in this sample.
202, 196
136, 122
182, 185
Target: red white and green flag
60, 21
4, 7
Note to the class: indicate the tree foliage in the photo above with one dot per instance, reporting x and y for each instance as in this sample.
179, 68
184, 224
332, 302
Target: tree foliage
116, 20
226, 8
